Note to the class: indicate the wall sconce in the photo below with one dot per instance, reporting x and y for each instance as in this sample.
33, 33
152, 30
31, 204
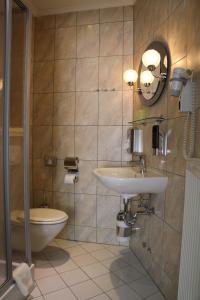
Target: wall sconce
1, 84
146, 78
130, 77
151, 60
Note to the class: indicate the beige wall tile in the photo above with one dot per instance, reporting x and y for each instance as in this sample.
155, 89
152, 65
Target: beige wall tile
85, 203
65, 20
44, 45
128, 13
42, 176
65, 202
113, 14
111, 39
156, 239
42, 197
86, 142
174, 203
87, 181
126, 156
87, 74
86, 108
86, 234
110, 73
88, 17
43, 77
65, 43
128, 37
42, 141
107, 236
64, 75
88, 41
64, 108
110, 108
43, 109
175, 160
58, 179
68, 233
107, 209
177, 34
63, 141
45, 22
127, 107
109, 143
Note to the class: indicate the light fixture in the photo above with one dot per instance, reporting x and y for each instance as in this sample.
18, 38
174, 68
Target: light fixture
146, 78
1, 84
151, 59
130, 77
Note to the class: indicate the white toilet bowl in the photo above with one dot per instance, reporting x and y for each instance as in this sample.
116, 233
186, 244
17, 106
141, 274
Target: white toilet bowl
45, 224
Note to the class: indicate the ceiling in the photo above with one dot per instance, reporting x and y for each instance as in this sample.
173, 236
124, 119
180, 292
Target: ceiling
48, 7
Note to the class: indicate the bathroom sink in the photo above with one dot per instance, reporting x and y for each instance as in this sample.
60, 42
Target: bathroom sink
129, 181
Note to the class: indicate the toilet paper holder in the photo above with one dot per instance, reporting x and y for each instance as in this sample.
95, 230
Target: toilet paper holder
71, 166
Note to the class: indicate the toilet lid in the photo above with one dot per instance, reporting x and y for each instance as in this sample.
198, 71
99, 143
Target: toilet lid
44, 216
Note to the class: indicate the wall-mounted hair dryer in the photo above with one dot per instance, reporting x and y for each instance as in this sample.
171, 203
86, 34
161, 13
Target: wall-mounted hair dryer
179, 79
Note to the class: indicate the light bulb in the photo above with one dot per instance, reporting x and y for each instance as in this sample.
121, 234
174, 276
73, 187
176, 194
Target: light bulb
146, 78
130, 77
1, 84
151, 59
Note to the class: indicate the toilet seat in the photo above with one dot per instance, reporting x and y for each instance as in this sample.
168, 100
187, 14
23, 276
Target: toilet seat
43, 216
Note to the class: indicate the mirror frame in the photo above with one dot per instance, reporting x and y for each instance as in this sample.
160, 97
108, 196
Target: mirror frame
164, 52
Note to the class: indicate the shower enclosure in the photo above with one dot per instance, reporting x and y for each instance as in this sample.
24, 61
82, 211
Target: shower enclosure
15, 28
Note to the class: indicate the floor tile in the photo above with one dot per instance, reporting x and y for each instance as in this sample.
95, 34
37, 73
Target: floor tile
102, 254
66, 243
74, 277
44, 271
108, 281
101, 297
50, 284
38, 298
86, 290
95, 270
90, 247
144, 287
157, 296
119, 250
114, 264
128, 274
35, 293
75, 251
123, 293
64, 294
84, 260
64, 266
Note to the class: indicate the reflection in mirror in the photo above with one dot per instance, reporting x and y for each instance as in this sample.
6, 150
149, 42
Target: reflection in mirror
153, 73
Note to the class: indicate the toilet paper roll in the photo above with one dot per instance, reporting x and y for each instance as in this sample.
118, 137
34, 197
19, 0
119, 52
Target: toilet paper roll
69, 178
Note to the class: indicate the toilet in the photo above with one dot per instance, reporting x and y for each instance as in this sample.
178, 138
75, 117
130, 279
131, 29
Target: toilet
45, 225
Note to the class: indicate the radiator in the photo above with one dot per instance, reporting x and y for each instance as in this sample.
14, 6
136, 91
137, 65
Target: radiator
189, 278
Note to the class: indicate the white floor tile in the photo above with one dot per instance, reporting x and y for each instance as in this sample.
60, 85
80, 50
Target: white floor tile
102, 254
144, 287
119, 250
84, 260
95, 270
64, 266
128, 274
64, 294
101, 297
74, 277
66, 243
157, 296
75, 251
39, 298
90, 247
50, 284
108, 281
123, 293
86, 290
44, 271
35, 293
115, 263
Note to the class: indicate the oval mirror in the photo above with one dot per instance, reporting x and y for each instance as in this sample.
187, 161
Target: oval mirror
152, 78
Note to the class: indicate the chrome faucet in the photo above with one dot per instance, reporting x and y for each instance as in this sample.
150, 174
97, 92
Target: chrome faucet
142, 164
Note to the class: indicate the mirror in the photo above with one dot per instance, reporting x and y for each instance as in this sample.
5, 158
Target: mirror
153, 73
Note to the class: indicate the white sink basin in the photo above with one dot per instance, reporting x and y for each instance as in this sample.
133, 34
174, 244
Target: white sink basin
130, 182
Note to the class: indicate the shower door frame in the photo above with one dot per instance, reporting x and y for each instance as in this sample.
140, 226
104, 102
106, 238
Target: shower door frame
6, 141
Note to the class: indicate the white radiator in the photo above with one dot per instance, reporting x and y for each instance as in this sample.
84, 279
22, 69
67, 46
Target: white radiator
189, 278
